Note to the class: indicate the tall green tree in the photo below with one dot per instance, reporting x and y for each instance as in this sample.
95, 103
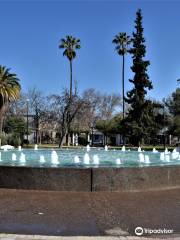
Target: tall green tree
70, 44
9, 91
138, 119
122, 42
173, 104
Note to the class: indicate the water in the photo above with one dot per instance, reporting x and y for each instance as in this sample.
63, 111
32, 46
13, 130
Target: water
80, 158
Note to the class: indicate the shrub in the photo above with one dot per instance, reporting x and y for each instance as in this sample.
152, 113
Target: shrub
14, 140
3, 139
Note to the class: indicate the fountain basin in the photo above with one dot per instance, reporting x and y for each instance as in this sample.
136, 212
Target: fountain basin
90, 179
97, 170
80, 158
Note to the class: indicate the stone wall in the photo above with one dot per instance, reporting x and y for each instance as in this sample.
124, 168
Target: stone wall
90, 179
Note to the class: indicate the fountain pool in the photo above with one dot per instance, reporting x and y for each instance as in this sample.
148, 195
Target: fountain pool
85, 158
89, 169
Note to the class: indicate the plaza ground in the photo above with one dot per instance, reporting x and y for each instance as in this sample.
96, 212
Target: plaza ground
113, 214
35, 237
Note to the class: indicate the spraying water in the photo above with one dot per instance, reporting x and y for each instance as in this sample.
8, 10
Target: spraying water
106, 148
86, 158
54, 158
146, 159
42, 159
35, 147
22, 158
123, 149
76, 159
175, 154
166, 151
154, 150
88, 148
96, 159
14, 158
162, 156
118, 161
139, 149
141, 158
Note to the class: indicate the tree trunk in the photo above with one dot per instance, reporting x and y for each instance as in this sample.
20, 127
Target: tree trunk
2, 111
63, 134
1, 122
123, 85
61, 140
70, 79
123, 94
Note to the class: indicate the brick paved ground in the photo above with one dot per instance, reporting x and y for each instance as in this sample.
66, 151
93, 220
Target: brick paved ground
87, 214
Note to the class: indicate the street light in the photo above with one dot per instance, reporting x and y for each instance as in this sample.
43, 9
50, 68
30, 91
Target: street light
27, 102
164, 129
92, 134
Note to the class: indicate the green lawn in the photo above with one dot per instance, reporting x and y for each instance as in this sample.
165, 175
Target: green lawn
146, 147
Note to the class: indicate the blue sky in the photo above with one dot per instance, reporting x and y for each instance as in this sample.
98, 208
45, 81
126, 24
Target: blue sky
30, 32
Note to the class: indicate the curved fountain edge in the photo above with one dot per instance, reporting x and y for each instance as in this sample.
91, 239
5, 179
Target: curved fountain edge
90, 179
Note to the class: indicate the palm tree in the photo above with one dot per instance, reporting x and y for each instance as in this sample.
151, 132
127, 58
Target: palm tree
122, 41
9, 90
70, 44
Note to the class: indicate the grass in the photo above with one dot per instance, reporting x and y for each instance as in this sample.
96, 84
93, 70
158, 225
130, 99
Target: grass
145, 147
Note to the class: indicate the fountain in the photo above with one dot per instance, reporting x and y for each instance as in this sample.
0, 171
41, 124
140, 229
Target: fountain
42, 159
88, 148
96, 159
175, 154
14, 158
76, 169
35, 147
154, 150
19, 148
166, 151
86, 158
141, 158
7, 147
118, 161
162, 156
76, 159
123, 149
167, 158
54, 158
106, 148
22, 158
139, 149
146, 159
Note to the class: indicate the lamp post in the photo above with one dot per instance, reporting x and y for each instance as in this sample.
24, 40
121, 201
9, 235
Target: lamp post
164, 127
92, 134
36, 124
27, 129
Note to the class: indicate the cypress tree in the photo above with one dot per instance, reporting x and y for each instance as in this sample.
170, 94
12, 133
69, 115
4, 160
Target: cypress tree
138, 118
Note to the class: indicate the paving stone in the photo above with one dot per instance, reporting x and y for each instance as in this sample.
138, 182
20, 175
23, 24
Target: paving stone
83, 214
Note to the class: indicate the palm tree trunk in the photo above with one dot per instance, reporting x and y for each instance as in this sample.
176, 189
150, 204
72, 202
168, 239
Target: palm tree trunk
70, 78
123, 85
1, 123
123, 93
2, 110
